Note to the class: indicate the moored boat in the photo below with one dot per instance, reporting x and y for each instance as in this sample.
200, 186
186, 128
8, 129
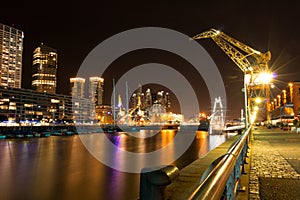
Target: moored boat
203, 124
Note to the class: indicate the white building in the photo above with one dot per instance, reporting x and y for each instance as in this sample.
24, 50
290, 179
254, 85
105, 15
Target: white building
77, 87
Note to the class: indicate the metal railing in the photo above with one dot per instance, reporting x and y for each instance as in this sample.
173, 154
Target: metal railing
222, 179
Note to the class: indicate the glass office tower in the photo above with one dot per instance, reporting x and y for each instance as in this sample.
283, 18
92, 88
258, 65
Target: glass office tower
44, 68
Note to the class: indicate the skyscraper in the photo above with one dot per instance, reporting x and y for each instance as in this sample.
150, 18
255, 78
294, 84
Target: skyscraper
77, 87
148, 99
11, 49
99, 93
96, 90
44, 69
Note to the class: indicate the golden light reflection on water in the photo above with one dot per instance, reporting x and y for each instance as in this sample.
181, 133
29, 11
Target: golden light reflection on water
62, 168
201, 134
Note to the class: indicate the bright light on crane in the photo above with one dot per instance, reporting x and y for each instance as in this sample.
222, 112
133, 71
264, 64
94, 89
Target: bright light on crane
264, 78
258, 100
256, 80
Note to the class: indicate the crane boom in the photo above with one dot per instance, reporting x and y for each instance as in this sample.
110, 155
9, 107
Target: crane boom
229, 45
258, 63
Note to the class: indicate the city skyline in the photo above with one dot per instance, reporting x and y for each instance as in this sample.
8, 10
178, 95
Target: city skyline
277, 32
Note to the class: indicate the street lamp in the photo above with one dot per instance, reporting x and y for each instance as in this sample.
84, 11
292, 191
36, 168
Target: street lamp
291, 91
264, 78
272, 105
284, 96
247, 79
279, 100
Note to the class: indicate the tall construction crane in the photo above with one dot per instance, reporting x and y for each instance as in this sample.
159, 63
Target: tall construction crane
253, 63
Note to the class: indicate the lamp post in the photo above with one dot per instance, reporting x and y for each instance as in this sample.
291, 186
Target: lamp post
291, 91
247, 78
279, 100
264, 78
284, 96
275, 103
272, 106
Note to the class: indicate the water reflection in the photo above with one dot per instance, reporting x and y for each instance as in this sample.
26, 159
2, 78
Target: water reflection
126, 153
62, 168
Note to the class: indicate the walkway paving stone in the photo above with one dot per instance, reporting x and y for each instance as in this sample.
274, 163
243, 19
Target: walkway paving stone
269, 169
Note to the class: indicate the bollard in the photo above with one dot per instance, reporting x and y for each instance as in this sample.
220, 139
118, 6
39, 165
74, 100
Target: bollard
154, 182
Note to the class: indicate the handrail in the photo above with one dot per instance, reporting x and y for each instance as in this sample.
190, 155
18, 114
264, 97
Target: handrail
213, 185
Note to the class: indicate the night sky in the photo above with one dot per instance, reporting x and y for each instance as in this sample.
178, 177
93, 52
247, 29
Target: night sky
74, 29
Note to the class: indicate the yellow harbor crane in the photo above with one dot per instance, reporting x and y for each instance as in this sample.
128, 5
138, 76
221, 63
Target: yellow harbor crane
253, 63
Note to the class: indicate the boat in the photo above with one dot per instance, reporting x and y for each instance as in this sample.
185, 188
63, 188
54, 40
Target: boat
110, 128
27, 133
233, 126
239, 128
46, 134
56, 133
36, 134
170, 125
203, 124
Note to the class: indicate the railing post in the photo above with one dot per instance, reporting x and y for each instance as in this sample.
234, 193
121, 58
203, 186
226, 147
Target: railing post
153, 183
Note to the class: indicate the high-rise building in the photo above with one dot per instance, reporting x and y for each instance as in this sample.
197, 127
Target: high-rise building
96, 90
77, 87
167, 102
100, 93
44, 69
11, 49
148, 99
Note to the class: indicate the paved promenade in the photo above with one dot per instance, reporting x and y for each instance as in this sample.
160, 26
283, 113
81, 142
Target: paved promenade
274, 164
190, 176
272, 172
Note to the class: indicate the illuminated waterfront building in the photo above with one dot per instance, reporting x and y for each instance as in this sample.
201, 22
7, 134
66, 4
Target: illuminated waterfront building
44, 68
95, 94
11, 49
293, 93
27, 106
77, 87
96, 85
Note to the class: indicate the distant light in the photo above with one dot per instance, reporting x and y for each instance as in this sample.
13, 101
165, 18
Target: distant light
272, 86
